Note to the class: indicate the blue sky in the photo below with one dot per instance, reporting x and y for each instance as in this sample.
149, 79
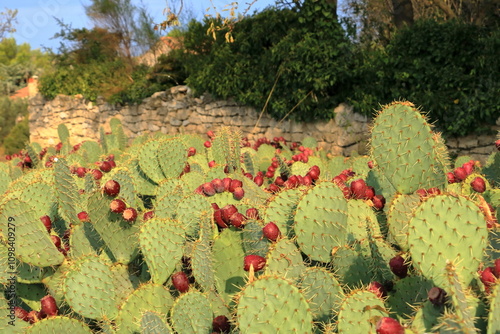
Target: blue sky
36, 24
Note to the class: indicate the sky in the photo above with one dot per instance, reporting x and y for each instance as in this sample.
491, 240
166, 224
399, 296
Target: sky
36, 23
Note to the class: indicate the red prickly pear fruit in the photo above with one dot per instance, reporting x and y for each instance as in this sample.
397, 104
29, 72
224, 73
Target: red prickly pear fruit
273, 188
378, 289
237, 220
81, 171
221, 324
180, 281
258, 262
433, 191
21, 313
307, 180
218, 185
49, 306
129, 214
207, 144
97, 174
187, 168
117, 206
478, 184
112, 188
211, 164
227, 183
252, 213
460, 174
235, 184
208, 189
279, 181
398, 266
497, 144
314, 172
215, 206
105, 166
191, 151
47, 222
259, 180
227, 212
369, 192
33, 316
271, 231
358, 188
292, 182
378, 202
488, 278
451, 178
436, 296
210, 134
469, 167
370, 164
148, 215
388, 325
56, 240
248, 176
496, 269
83, 216
218, 219
238, 193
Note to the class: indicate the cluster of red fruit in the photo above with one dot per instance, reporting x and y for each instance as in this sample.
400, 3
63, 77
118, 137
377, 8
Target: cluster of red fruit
294, 181
103, 166
217, 186
48, 309
459, 174
490, 276
112, 189
358, 189
62, 247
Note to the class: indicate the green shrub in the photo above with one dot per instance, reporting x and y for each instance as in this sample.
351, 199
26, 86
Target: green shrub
17, 138
9, 111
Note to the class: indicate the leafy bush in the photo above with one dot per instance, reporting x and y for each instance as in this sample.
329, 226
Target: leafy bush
17, 138
9, 111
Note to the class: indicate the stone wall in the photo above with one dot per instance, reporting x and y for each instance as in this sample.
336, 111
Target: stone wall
177, 111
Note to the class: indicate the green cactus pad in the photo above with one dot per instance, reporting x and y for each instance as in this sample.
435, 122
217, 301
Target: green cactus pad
320, 221
351, 267
284, 260
161, 242
491, 169
202, 262
148, 160
228, 266
192, 212
89, 290
360, 218
273, 305
83, 240
359, 312
22, 229
398, 216
172, 155
280, 209
407, 294
192, 180
59, 324
253, 239
426, 318
323, 292
494, 314
226, 147
153, 323
192, 313
406, 151
30, 294
148, 297
127, 186
66, 192
447, 228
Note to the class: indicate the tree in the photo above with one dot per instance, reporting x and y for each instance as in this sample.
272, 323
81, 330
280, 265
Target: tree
7, 21
133, 24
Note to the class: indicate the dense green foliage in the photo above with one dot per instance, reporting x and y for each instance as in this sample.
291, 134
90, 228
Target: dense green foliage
301, 64
9, 111
17, 138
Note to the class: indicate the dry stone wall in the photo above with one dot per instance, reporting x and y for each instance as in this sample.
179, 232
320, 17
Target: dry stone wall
177, 111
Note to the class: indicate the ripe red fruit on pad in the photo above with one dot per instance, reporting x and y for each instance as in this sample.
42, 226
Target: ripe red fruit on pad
235, 184
451, 177
83, 216
210, 134
227, 212
117, 206
46, 222
488, 278
388, 325
218, 219
478, 184
191, 151
112, 188
258, 262
378, 202
238, 193
436, 296
252, 213
497, 144
97, 174
259, 180
314, 172
218, 185
358, 188
460, 173
81, 171
378, 289
21, 313
208, 189
49, 306
237, 220
105, 166
148, 215
33, 316
56, 240
398, 266
180, 281
211, 163
221, 324
207, 144
271, 231
129, 214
